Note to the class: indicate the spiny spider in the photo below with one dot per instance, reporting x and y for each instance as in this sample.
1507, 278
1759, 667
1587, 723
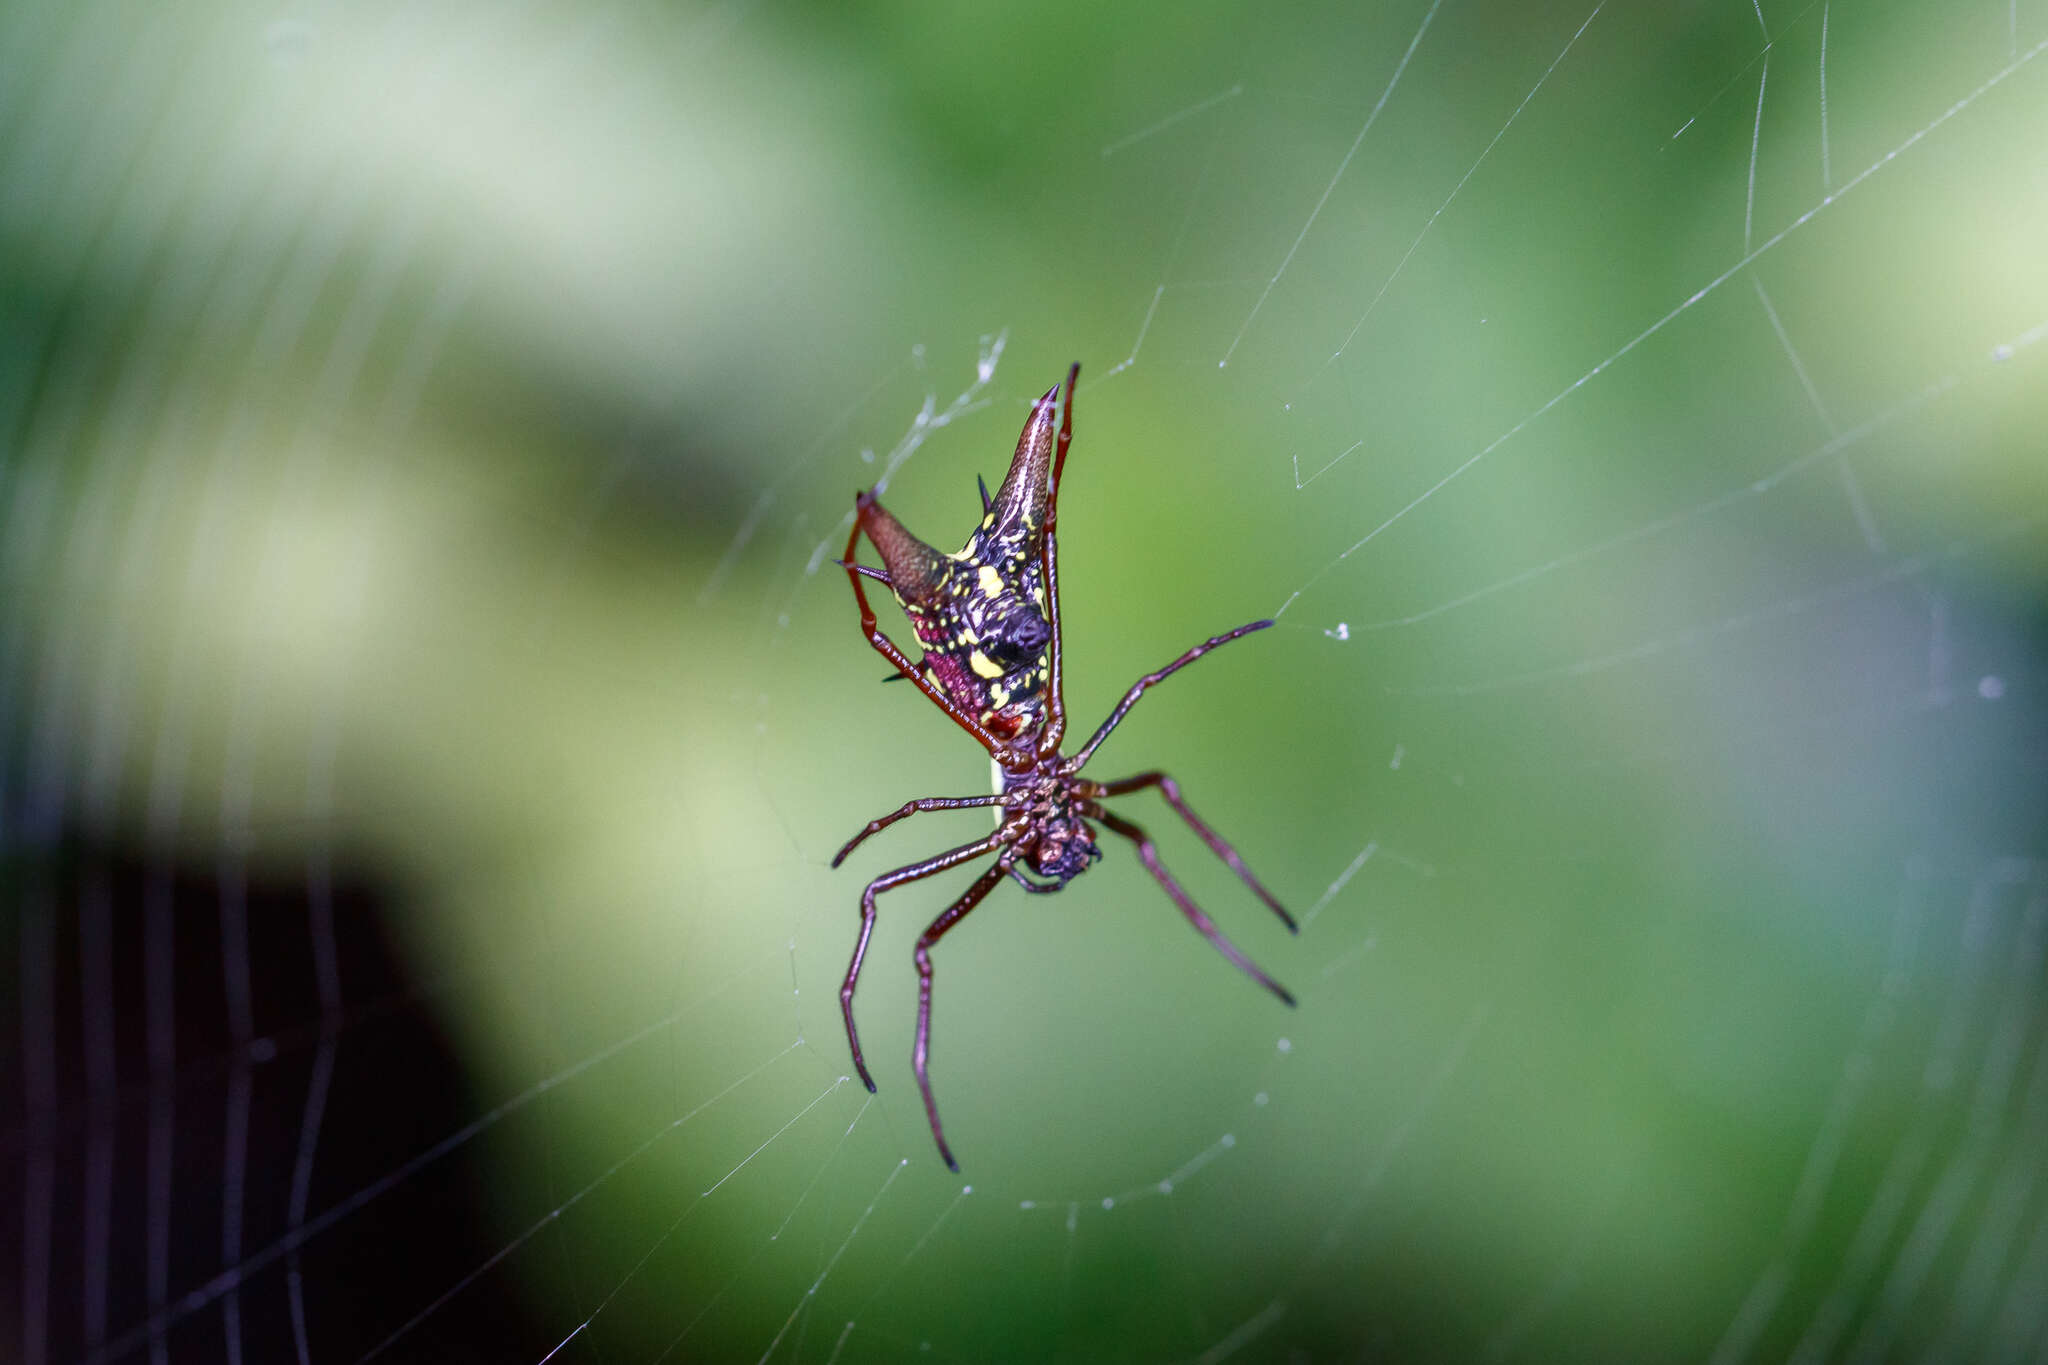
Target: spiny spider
988, 619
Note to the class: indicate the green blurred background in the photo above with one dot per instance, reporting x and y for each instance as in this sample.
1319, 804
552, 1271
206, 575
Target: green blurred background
430, 707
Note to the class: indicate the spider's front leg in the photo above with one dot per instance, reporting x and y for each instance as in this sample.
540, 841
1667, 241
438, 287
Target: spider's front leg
889, 881
864, 505
1123, 708
908, 808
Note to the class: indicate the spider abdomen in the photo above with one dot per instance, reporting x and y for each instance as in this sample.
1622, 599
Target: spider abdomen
986, 646
980, 614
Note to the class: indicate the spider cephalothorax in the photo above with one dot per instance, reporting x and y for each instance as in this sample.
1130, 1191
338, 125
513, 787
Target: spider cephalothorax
1064, 845
988, 621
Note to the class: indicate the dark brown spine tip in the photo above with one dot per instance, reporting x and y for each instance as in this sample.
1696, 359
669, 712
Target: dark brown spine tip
1258, 625
951, 1164
1286, 996
870, 1083
914, 570
1021, 500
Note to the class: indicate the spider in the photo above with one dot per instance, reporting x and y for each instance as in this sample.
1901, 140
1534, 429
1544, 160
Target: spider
988, 619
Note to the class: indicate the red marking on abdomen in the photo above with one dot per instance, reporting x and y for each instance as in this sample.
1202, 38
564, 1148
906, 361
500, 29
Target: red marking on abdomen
960, 684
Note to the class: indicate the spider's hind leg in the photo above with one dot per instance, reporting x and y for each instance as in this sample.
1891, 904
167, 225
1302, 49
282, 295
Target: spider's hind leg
951, 916
1218, 845
1148, 853
889, 881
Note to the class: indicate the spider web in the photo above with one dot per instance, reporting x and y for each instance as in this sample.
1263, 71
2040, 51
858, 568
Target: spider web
432, 706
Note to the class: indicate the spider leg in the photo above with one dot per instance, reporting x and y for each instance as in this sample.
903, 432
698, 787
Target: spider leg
889, 881
1123, 707
951, 916
1170, 789
888, 649
1203, 924
1038, 888
882, 822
